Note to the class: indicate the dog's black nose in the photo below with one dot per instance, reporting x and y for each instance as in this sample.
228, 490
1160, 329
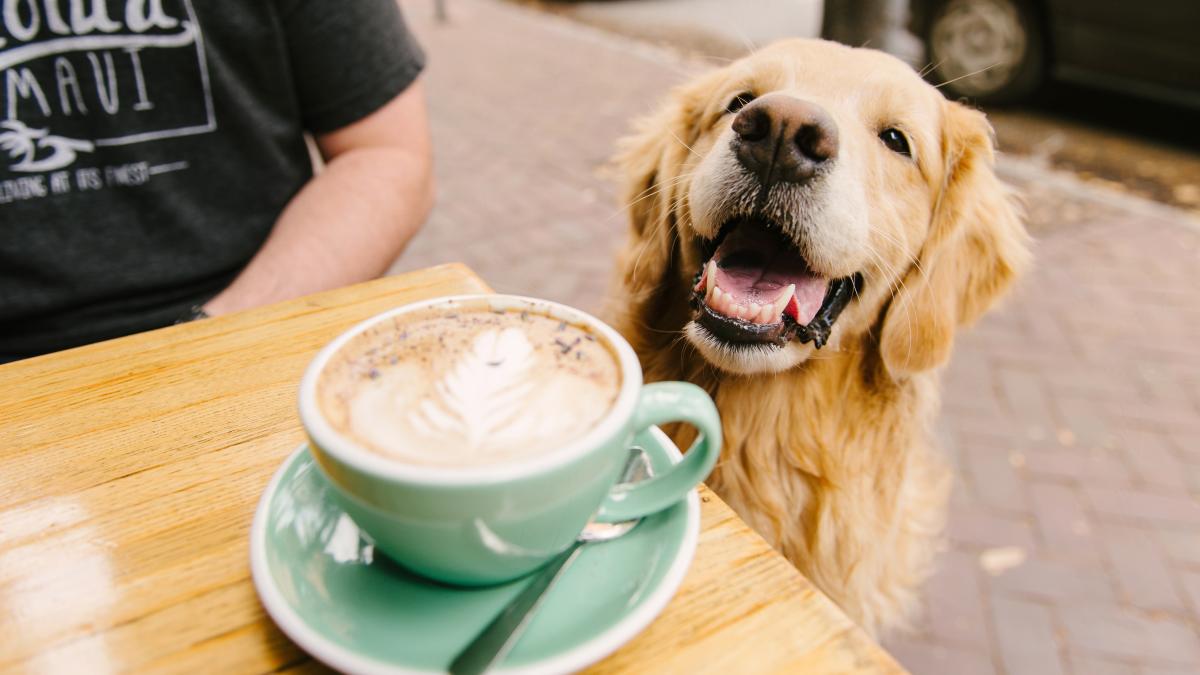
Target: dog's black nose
783, 139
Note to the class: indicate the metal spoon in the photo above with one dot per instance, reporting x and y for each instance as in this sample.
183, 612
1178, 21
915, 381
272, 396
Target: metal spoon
495, 641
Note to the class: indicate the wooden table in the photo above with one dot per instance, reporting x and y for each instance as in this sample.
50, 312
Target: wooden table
129, 473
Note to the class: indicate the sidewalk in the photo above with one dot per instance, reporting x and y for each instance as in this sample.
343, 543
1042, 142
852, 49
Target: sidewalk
1072, 416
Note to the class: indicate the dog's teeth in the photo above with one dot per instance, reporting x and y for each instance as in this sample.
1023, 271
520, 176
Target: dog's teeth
767, 314
717, 299
786, 294
723, 302
782, 301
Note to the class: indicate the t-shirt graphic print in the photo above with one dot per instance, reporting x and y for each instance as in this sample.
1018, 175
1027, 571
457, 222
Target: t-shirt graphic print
78, 75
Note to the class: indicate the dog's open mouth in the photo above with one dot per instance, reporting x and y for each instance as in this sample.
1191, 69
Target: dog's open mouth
756, 288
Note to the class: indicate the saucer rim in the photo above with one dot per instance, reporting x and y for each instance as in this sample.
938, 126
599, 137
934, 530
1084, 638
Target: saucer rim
346, 660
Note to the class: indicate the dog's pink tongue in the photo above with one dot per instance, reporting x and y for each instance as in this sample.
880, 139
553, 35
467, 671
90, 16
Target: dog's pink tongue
787, 267
810, 293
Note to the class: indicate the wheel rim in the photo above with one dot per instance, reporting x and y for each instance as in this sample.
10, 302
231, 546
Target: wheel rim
978, 44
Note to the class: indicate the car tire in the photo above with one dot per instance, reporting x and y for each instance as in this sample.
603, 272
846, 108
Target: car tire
987, 51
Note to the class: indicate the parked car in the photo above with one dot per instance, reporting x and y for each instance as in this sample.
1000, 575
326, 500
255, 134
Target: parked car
1000, 51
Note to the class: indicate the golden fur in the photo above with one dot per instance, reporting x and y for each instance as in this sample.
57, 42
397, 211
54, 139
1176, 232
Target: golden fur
828, 453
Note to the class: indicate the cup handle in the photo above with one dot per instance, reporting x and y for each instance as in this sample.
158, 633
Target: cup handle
659, 403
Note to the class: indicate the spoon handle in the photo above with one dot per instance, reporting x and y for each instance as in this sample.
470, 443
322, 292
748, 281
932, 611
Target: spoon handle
502, 633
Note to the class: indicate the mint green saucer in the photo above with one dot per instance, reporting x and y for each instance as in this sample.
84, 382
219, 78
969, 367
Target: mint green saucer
323, 584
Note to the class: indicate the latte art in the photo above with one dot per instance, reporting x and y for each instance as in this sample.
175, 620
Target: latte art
469, 388
479, 401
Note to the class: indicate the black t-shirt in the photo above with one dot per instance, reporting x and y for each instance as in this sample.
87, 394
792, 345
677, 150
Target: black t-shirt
148, 146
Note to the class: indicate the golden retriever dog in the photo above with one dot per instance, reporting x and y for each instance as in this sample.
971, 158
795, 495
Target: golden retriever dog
810, 226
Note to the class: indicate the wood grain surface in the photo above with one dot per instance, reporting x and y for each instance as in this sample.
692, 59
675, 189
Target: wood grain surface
129, 474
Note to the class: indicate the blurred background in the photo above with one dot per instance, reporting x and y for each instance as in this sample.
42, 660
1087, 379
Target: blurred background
1071, 415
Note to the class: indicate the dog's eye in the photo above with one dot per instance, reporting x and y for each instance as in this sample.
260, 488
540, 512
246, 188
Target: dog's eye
739, 102
895, 141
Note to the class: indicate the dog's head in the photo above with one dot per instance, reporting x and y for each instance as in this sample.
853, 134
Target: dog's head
811, 194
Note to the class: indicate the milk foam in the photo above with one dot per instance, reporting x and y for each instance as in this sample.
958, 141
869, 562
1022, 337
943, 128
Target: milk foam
474, 388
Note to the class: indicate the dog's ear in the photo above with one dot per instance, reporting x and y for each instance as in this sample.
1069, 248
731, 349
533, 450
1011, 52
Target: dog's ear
975, 249
645, 165
650, 161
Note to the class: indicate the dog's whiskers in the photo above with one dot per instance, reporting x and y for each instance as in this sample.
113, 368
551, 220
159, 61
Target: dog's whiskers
963, 77
653, 191
749, 44
930, 67
689, 148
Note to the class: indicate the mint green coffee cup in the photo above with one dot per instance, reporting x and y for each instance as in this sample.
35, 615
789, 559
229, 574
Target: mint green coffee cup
486, 524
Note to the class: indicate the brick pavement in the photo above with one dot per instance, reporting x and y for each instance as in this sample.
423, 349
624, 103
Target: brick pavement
1072, 416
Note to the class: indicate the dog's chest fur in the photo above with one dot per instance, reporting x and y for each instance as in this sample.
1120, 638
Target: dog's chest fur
832, 464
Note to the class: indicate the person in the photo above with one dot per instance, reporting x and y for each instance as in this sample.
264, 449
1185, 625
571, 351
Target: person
153, 162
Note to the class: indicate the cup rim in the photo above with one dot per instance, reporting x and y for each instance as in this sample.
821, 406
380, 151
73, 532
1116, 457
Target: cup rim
344, 449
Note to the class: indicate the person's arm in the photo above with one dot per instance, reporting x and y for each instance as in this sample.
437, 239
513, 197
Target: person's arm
352, 220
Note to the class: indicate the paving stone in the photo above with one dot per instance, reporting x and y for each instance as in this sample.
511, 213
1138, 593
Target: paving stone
1123, 505
925, 658
1191, 586
1066, 528
1086, 664
973, 526
1110, 630
1181, 546
1027, 399
1078, 465
1027, 637
1154, 462
1056, 581
954, 604
994, 478
1157, 416
1085, 421
1187, 443
1168, 670
1141, 568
